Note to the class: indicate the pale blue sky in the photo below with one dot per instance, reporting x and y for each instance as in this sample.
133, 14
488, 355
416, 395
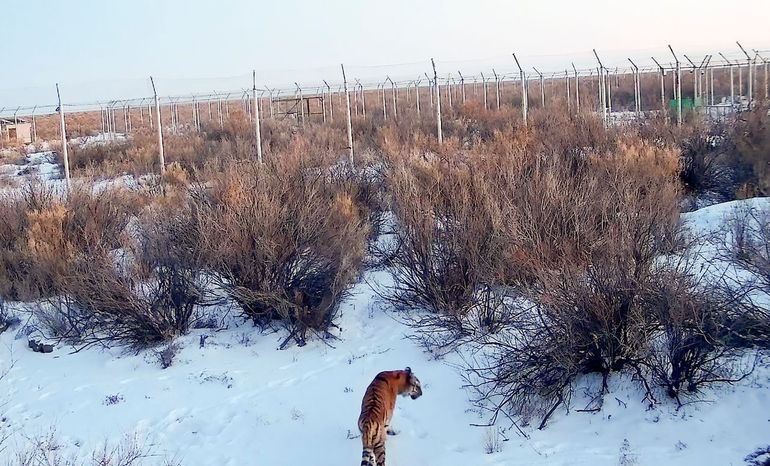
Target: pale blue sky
99, 48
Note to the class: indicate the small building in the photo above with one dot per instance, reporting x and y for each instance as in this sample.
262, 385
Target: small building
17, 131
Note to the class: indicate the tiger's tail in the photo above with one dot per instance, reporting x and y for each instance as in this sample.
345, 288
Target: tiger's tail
368, 457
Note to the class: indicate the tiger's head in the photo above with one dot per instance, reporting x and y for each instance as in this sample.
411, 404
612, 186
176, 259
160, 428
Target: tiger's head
412, 388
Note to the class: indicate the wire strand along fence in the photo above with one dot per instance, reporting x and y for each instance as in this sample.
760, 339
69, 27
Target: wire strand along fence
714, 86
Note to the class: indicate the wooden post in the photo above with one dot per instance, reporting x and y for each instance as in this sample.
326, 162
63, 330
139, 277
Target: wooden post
161, 156
462, 86
65, 153
497, 88
439, 131
350, 123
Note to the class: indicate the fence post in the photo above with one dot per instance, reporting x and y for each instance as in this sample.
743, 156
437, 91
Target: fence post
430, 89
602, 88
393, 90
751, 74
161, 157
363, 99
635, 72
257, 129
484, 89
524, 96
331, 102
662, 87
34, 123
417, 93
350, 122
462, 86
764, 62
577, 89
439, 132
678, 89
384, 103
542, 88
497, 88
65, 153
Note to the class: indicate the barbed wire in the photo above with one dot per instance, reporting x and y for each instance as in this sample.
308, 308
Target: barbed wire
398, 78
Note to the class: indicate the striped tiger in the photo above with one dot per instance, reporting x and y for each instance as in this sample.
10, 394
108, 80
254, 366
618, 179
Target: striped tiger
377, 409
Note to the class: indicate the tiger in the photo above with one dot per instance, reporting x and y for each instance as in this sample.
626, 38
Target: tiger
377, 409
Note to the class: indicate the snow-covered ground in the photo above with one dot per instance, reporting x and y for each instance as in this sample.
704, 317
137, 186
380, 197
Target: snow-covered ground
238, 400
22, 169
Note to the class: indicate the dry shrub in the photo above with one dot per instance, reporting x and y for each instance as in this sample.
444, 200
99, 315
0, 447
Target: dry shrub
286, 241
707, 165
591, 261
696, 328
551, 265
751, 136
144, 292
110, 270
448, 243
744, 245
45, 230
176, 175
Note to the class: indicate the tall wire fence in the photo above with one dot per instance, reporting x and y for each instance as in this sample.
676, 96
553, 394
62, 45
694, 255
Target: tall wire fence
714, 85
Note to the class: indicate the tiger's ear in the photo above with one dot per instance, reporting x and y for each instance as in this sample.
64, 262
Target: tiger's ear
408, 370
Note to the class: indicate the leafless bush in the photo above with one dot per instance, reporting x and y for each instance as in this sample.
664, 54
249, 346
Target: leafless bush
449, 246
706, 165
589, 261
760, 457
696, 327
492, 441
46, 450
44, 229
102, 280
144, 294
746, 246
751, 137
285, 241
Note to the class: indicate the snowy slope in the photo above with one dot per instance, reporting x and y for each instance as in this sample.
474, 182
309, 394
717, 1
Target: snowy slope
239, 400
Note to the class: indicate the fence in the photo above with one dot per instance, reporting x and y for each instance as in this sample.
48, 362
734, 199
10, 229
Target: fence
713, 85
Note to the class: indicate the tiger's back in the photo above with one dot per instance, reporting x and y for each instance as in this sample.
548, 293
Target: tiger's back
377, 409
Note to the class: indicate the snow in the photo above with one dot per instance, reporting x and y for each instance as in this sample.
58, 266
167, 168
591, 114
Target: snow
99, 139
36, 165
239, 400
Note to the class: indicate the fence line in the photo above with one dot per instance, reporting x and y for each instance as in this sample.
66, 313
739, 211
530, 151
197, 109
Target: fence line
706, 91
